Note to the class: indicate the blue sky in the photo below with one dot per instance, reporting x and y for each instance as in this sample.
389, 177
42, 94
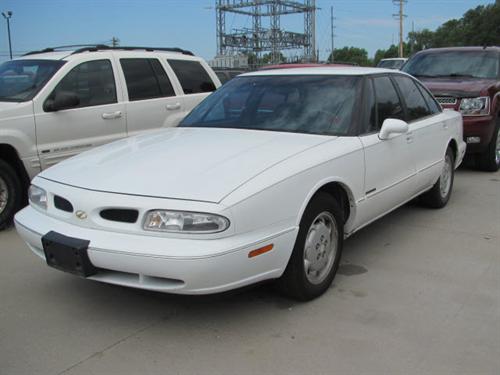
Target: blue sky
190, 24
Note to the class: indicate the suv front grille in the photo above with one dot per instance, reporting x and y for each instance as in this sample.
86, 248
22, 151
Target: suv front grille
446, 100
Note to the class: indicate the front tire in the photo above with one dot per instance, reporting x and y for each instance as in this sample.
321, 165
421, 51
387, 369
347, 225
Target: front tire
316, 254
440, 193
489, 160
10, 194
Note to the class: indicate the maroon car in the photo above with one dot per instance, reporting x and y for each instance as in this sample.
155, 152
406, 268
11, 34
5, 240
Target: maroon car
466, 79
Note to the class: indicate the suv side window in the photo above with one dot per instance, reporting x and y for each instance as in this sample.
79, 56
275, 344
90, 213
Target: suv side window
192, 76
92, 81
433, 105
146, 79
416, 107
387, 100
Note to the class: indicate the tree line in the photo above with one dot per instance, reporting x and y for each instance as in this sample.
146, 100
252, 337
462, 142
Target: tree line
479, 26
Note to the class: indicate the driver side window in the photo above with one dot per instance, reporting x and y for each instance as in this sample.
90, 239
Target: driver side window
387, 101
92, 82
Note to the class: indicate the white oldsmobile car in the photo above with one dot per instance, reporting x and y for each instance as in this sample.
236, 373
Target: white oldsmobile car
263, 180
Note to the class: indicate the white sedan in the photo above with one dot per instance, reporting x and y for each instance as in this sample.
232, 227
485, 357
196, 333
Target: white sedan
263, 180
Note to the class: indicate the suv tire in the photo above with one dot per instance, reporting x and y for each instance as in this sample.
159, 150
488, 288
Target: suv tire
10, 194
490, 159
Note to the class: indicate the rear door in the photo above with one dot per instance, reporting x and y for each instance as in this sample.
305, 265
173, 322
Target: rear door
98, 118
428, 131
194, 78
151, 100
389, 164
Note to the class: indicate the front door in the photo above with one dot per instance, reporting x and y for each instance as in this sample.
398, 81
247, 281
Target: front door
98, 117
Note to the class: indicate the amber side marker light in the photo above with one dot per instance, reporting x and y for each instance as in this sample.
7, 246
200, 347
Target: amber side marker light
260, 251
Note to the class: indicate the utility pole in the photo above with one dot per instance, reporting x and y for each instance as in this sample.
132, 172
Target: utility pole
401, 17
115, 41
332, 32
7, 15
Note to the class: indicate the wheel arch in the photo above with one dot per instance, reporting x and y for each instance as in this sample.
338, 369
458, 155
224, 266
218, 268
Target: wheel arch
338, 189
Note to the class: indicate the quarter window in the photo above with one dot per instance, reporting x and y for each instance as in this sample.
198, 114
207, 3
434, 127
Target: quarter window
146, 79
192, 76
93, 82
387, 101
433, 105
416, 106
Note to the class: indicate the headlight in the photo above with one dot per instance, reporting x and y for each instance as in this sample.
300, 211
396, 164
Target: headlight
184, 222
38, 196
475, 106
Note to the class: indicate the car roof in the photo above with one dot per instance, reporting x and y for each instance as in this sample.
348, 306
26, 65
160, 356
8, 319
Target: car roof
394, 58
299, 65
350, 71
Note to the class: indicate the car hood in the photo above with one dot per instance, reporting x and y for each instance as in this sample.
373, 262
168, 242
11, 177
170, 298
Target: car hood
457, 87
181, 163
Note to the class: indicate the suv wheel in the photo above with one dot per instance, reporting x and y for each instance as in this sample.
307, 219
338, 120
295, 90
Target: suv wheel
490, 160
10, 194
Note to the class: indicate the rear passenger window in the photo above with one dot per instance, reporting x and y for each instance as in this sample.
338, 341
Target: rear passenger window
433, 105
146, 79
93, 82
415, 104
192, 76
387, 101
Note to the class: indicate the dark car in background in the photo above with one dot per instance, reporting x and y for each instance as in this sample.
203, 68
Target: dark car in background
466, 79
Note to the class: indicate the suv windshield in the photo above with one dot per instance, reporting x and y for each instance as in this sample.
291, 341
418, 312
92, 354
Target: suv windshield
390, 64
20, 80
300, 104
472, 64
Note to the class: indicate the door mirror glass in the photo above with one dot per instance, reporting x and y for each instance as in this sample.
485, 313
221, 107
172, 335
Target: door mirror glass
62, 100
392, 126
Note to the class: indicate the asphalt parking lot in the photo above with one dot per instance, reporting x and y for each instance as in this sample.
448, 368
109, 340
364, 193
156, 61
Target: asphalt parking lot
418, 293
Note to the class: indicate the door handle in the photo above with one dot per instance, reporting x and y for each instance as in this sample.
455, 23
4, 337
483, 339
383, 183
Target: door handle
409, 137
173, 107
112, 115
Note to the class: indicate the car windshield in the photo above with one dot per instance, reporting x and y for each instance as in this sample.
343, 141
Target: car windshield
468, 64
314, 104
391, 64
20, 80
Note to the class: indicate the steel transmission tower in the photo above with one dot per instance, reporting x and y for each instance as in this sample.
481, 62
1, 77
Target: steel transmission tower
272, 39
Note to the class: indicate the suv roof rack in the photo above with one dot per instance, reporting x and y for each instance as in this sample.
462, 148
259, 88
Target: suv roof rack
100, 47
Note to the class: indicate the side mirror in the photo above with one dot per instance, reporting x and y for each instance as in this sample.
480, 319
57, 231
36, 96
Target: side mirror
62, 100
392, 126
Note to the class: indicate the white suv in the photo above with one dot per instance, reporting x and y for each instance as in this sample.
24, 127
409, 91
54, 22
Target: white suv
57, 103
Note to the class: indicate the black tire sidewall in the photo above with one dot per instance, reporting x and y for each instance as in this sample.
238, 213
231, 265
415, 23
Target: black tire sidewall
15, 195
301, 287
444, 200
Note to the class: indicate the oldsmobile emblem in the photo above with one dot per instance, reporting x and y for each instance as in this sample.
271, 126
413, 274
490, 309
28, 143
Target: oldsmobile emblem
82, 215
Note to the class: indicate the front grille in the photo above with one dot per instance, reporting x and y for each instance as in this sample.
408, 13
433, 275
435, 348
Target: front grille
447, 100
62, 204
122, 215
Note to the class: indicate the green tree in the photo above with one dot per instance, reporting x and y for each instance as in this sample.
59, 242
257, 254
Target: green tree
351, 55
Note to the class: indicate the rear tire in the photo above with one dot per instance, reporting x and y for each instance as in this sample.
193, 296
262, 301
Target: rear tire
489, 160
440, 193
316, 254
10, 194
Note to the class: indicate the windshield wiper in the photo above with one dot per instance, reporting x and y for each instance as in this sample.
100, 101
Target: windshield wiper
456, 75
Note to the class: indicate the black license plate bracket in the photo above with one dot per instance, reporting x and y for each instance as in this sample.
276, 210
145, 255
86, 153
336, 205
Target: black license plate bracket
68, 254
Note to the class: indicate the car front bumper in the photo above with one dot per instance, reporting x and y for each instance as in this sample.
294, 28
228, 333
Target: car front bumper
147, 262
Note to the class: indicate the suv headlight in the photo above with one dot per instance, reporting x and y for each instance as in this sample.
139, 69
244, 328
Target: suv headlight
475, 106
38, 197
184, 222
